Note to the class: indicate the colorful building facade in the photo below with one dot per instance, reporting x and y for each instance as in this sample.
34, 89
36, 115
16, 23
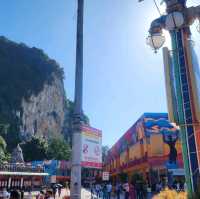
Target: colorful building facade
152, 143
21, 176
58, 170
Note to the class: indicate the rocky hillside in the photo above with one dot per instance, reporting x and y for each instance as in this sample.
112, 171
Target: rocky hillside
44, 113
32, 95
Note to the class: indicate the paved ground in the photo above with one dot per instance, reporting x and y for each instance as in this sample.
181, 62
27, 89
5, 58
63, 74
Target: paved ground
85, 194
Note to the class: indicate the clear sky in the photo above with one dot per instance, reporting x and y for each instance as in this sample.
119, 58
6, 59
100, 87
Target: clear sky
123, 78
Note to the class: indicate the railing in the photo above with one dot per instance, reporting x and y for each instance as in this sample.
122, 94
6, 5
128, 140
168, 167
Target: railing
21, 168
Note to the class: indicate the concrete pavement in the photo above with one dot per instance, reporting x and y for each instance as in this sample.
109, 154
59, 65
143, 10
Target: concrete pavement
85, 194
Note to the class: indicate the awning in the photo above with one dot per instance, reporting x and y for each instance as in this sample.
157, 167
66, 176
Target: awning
9, 173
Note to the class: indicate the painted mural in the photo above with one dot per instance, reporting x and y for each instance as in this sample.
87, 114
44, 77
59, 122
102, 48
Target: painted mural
53, 167
141, 139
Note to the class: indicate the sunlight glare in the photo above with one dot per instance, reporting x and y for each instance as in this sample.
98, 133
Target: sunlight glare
167, 39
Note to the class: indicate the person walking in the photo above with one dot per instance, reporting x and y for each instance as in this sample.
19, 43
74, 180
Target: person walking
132, 193
54, 188
40, 195
49, 194
30, 196
14, 194
22, 193
149, 195
59, 191
104, 190
5, 194
109, 190
126, 189
118, 190
98, 189
92, 188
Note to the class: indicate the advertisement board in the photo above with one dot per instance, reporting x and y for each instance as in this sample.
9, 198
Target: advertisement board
91, 147
105, 176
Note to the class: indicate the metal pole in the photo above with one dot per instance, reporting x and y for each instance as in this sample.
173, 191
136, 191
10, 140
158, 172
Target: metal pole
181, 82
75, 188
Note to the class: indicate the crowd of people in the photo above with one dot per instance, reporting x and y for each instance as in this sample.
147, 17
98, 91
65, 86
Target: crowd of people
98, 191
49, 193
130, 190
119, 190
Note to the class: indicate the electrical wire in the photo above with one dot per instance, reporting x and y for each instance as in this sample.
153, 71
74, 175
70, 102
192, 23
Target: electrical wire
198, 26
157, 7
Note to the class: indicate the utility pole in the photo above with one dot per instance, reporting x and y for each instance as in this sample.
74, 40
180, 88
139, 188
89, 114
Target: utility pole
75, 188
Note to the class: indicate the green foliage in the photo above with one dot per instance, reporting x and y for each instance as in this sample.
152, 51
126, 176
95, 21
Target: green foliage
58, 149
137, 178
2, 144
68, 124
123, 177
39, 149
12, 138
23, 72
35, 149
3, 154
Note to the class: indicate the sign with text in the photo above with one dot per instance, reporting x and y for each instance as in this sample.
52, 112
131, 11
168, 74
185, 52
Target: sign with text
105, 176
91, 147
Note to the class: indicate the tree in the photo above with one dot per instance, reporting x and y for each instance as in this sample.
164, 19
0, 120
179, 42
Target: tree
24, 71
123, 177
58, 149
3, 154
68, 124
35, 149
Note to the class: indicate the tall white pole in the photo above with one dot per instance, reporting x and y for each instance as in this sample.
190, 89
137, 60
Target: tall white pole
75, 188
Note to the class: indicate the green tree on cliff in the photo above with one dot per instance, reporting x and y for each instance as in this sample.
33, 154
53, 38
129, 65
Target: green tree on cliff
58, 149
35, 149
23, 72
3, 155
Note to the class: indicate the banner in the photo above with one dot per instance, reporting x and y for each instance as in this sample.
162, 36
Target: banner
105, 176
91, 147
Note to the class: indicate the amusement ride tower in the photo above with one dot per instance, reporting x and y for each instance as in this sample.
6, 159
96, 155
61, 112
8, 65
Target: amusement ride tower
182, 79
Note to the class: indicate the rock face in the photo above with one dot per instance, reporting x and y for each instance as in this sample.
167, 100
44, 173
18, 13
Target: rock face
17, 155
43, 115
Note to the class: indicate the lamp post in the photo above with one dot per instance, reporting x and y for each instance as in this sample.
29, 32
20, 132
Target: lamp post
181, 69
75, 187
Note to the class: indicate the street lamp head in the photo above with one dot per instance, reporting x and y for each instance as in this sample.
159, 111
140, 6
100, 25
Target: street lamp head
174, 20
155, 40
173, 4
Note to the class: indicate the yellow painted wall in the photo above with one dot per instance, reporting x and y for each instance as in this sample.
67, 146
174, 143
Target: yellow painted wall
123, 158
135, 151
156, 145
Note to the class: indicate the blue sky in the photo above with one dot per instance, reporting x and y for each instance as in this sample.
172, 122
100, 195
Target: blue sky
123, 78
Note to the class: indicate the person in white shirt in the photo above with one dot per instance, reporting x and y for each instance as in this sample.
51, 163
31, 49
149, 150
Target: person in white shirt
30, 196
98, 189
109, 190
126, 189
5, 194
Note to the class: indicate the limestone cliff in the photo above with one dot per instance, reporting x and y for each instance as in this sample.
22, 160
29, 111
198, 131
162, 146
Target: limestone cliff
32, 95
44, 113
